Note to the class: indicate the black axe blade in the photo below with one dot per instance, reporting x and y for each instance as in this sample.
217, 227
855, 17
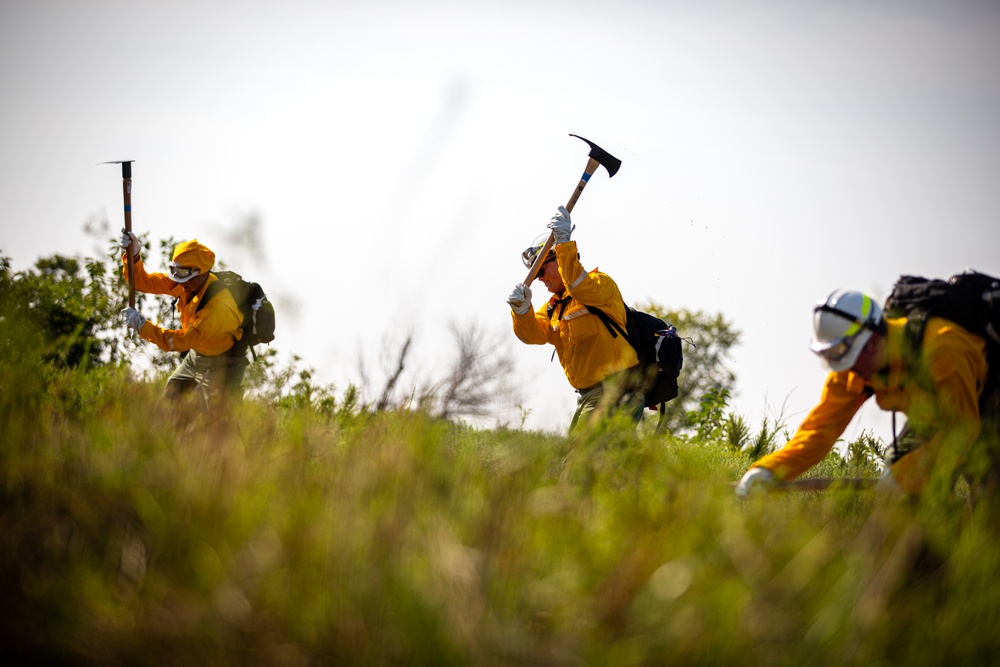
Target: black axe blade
604, 158
126, 166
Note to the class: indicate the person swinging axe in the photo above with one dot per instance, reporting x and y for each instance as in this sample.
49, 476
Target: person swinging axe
213, 365
595, 362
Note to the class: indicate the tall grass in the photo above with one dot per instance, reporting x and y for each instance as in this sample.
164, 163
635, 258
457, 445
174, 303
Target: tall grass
291, 535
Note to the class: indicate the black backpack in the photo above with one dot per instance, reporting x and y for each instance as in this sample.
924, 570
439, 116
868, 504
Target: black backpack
970, 300
257, 311
658, 347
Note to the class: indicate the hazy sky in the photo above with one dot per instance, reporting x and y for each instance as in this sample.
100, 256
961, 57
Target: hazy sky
400, 155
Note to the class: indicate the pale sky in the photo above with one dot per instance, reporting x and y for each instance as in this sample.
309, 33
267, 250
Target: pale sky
400, 155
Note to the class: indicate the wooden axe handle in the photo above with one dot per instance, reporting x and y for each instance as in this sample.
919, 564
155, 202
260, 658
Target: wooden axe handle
820, 484
823, 483
536, 266
129, 260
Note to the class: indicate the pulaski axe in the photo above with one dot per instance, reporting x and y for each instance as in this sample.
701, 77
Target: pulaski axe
598, 156
127, 191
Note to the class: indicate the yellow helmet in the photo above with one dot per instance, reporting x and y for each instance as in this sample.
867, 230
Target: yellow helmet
190, 259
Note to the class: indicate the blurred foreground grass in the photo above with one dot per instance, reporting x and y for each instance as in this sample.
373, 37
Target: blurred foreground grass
288, 536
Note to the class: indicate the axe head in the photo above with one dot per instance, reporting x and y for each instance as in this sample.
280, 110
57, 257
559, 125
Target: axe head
126, 166
604, 158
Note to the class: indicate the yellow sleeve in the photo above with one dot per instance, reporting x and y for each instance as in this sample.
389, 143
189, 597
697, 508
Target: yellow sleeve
211, 331
843, 394
533, 328
589, 288
956, 361
150, 283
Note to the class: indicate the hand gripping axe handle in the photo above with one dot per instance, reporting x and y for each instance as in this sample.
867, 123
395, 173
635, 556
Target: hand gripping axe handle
598, 156
127, 192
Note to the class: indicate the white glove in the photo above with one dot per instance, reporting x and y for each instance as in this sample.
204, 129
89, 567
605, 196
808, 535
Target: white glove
754, 478
130, 243
520, 299
133, 318
561, 226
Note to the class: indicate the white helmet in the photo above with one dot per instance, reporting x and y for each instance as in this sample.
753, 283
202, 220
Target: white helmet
842, 324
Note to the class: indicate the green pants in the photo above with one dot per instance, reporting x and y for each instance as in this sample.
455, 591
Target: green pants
612, 396
216, 378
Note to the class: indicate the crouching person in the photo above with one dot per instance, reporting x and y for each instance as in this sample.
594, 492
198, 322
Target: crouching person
213, 362
942, 385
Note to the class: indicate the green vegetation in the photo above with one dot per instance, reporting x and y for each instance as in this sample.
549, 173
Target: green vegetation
306, 528
325, 534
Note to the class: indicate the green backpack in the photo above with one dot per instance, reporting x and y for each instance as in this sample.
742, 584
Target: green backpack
257, 310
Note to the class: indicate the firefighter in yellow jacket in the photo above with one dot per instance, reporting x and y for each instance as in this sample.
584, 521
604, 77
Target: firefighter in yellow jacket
937, 383
208, 333
595, 363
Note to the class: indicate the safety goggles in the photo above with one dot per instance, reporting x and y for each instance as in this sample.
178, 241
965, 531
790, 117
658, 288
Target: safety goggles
182, 274
530, 253
836, 350
541, 269
528, 256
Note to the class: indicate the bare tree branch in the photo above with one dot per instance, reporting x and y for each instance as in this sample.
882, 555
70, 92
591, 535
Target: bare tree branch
479, 379
385, 400
477, 383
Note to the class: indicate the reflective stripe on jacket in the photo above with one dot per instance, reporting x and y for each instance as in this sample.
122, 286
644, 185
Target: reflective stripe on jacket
943, 406
586, 349
211, 331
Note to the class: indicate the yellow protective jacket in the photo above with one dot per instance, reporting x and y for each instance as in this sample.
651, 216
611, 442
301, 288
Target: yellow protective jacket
943, 409
587, 351
211, 331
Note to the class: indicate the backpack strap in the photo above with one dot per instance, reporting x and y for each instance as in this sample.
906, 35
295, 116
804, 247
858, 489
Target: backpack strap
239, 347
913, 342
613, 327
212, 290
561, 304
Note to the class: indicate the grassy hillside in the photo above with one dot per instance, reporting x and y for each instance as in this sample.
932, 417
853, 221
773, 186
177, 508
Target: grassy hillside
297, 536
